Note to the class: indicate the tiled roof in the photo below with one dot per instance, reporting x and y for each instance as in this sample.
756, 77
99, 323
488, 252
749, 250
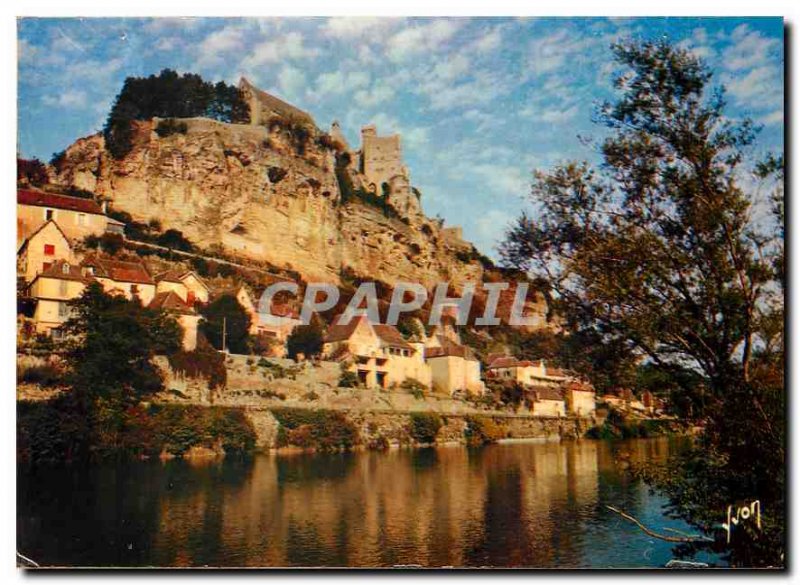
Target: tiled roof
548, 393
42, 199
341, 332
449, 348
170, 301
178, 276
120, 270
56, 270
391, 336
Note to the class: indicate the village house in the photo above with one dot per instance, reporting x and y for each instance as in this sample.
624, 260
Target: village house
77, 217
41, 248
128, 278
547, 401
379, 354
524, 371
170, 302
580, 398
453, 366
186, 284
279, 322
52, 290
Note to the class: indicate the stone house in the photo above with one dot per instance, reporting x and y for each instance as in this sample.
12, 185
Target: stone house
547, 401
185, 314
186, 284
128, 278
531, 373
453, 366
77, 217
580, 398
379, 355
52, 290
41, 248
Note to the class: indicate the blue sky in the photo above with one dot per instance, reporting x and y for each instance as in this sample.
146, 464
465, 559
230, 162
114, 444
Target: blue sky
480, 103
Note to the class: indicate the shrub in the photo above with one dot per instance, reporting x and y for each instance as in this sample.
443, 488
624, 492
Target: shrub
414, 387
202, 362
481, 430
348, 380
424, 426
43, 375
311, 396
379, 443
321, 430
305, 339
170, 126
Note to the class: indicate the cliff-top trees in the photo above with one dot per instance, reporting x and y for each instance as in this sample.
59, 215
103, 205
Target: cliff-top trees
169, 95
656, 249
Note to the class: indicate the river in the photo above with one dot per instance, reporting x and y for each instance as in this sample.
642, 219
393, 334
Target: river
510, 505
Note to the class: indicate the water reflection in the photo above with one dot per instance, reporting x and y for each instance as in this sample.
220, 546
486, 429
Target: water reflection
536, 505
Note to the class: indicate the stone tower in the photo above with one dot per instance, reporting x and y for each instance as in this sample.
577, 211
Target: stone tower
382, 163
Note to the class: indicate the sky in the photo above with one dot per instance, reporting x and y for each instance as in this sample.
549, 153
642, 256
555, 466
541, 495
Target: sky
480, 103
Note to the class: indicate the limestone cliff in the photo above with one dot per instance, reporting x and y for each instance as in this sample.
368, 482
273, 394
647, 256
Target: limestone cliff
262, 192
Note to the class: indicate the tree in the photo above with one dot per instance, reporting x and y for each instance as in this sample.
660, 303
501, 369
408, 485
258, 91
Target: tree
226, 312
305, 339
169, 95
32, 171
656, 250
114, 342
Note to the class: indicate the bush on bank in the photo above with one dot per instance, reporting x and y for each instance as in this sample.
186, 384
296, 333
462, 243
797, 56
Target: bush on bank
482, 430
59, 430
321, 430
424, 426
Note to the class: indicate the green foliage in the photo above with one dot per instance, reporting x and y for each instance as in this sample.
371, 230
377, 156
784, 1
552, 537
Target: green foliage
175, 239
32, 171
305, 339
226, 312
53, 431
348, 379
202, 362
424, 426
169, 127
322, 430
109, 243
43, 375
414, 387
168, 95
482, 430
657, 253
115, 341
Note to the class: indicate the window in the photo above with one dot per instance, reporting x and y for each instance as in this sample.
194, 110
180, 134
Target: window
63, 310
46, 265
190, 299
65, 268
62, 288
49, 250
80, 219
49, 214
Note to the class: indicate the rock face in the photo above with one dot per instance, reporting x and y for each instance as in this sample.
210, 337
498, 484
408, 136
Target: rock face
268, 193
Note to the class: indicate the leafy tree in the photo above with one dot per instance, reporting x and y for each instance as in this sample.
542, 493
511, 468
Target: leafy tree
175, 239
169, 95
656, 250
226, 309
305, 339
115, 341
33, 171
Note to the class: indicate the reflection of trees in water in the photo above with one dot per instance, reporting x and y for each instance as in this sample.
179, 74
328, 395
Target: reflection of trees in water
506, 505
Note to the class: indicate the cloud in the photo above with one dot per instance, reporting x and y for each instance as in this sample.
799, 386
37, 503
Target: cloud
488, 42
425, 38
339, 82
291, 81
289, 47
378, 94
221, 41
775, 118
760, 87
748, 49
363, 28
72, 99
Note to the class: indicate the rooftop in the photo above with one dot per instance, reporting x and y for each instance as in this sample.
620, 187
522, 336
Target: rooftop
56, 201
